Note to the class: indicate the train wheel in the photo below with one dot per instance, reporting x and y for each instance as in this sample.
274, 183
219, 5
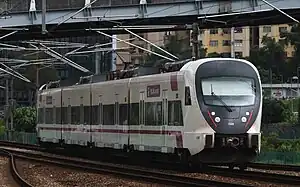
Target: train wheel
231, 166
242, 167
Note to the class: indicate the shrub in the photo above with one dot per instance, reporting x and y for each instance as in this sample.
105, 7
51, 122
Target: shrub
25, 119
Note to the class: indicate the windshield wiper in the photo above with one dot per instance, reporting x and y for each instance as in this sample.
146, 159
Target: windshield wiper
224, 104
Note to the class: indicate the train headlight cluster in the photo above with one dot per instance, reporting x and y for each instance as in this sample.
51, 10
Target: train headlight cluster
217, 119
244, 119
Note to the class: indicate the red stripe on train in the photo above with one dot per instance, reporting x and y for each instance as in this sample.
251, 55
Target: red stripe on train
178, 134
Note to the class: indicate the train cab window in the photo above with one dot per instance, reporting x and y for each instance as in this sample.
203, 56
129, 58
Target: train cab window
87, 115
75, 112
134, 114
95, 116
175, 113
108, 114
49, 116
153, 113
123, 114
58, 115
41, 115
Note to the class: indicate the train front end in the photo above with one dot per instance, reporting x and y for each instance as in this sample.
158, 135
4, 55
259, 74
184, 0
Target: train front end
229, 95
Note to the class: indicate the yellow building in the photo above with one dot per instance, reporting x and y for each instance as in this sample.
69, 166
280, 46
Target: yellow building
226, 41
274, 32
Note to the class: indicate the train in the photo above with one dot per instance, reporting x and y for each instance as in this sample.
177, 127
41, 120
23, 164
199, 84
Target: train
207, 112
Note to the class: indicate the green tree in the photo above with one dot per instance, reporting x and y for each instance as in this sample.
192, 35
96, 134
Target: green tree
270, 57
2, 127
276, 111
293, 38
25, 119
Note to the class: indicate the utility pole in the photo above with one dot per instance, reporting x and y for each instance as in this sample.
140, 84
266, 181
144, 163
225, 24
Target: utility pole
44, 7
195, 42
7, 102
232, 43
11, 103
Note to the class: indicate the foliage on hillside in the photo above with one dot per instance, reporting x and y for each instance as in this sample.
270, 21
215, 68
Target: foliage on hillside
25, 119
273, 143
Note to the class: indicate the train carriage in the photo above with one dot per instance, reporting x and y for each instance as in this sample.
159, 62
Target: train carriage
209, 110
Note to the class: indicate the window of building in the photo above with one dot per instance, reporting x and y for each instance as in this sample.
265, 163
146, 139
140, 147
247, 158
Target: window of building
238, 30
238, 54
226, 42
267, 29
238, 43
282, 29
213, 31
226, 30
213, 43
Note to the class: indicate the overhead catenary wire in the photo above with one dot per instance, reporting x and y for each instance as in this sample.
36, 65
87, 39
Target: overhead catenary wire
135, 46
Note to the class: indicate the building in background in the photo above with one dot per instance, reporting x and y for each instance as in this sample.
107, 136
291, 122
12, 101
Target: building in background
135, 55
274, 32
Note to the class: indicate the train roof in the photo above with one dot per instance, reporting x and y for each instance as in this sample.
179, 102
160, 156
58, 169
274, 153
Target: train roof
183, 65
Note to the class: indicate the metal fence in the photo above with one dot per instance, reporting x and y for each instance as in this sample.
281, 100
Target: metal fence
286, 158
19, 137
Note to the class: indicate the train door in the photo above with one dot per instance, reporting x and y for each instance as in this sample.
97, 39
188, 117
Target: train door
142, 120
119, 134
164, 129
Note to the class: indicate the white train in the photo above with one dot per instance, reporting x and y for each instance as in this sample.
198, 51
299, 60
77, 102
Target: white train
209, 112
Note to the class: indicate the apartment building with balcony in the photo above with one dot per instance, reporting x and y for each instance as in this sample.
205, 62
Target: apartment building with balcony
274, 32
225, 42
135, 55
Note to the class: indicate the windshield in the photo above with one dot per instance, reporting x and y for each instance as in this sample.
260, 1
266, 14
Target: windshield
233, 91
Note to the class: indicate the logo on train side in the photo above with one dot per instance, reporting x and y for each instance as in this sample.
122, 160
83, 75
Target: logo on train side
153, 91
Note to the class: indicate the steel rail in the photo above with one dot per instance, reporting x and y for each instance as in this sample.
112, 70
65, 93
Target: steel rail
252, 175
255, 175
13, 169
282, 167
127, 172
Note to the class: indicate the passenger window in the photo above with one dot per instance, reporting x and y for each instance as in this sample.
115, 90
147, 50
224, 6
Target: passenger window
95, 115
87, 115
75, 112
108, 115
49, 116
153, 113
41, 115
123, 114
175, 113
134, 114
58, 115
64, 115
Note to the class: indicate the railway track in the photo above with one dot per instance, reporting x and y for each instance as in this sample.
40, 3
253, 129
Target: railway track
249, 175
13, 169
275, 167
136, 174
257, 176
